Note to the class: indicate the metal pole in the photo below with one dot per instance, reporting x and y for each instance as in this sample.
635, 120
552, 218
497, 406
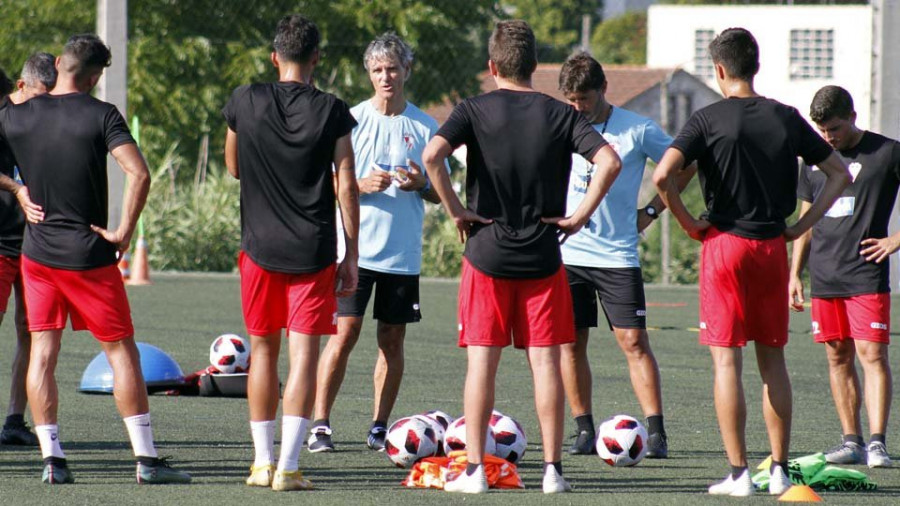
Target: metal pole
665, 224
586, 33
112, 27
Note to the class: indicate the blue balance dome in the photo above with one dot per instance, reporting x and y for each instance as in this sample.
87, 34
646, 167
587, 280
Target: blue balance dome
161, 372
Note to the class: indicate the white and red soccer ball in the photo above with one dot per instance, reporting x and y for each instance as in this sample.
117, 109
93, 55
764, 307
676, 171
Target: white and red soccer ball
455, 438
509, 437
230, 354
621, 441
409, 439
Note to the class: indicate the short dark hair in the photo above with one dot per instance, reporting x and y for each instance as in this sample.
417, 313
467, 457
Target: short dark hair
513, 50
296, 38
581, 73
85, 55
831, 102
737, 51
6, 84
40, 67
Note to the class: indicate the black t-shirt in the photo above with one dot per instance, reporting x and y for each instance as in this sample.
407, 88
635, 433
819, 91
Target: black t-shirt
746, 151
286, 134
12, 220
519, 155
863, 211
60, 143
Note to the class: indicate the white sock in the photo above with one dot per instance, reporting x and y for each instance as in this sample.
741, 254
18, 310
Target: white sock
48, 436
293, 430
141, 434
263, 434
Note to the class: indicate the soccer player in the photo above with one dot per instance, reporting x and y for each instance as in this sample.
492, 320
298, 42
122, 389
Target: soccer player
38, 77
387, 145
281, 142
60, 141
746, 147
848, 252
513, 287
602, 258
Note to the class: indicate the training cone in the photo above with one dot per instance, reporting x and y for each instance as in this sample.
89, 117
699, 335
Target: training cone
140, 269
125, 265
800, 493
765, 465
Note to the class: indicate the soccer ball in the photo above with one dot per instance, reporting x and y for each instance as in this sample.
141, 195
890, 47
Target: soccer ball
408, 440
621, 441
229, 354
443, 418
438, 429
508, 436
455, 438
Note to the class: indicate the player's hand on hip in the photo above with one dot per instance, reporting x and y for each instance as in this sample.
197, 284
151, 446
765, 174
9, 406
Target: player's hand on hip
377, 181
412, 180
878, 250
790, 233
567, 226
464, 223
33, 212
795, 294
347, 278
697, 229
117, 237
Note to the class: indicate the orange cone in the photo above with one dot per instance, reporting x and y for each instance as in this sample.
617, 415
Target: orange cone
140, 268
125, 265
800, 493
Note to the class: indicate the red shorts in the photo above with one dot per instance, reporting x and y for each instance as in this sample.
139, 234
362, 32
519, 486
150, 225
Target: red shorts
534, 312
94, 298
272, 301
865, 317
9, 273
743, 290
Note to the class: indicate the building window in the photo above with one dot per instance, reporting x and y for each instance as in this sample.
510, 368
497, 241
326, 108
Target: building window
812, 54
703, 65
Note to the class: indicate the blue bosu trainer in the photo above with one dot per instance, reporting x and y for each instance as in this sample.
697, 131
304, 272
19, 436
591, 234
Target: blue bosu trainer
161, 372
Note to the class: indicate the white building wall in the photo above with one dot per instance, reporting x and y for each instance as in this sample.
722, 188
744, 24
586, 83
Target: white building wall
670, 43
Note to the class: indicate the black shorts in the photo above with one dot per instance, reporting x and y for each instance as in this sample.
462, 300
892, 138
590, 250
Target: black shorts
621, 291
396, 297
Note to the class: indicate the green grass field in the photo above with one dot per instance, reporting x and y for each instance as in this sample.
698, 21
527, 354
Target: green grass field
210, 437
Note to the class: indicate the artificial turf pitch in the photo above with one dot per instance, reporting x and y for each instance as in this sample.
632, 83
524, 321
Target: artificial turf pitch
210, 438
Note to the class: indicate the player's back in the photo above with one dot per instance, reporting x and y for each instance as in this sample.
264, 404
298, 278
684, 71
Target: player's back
286, 134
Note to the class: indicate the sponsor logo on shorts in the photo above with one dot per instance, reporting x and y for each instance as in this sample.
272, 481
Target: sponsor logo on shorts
334, 318
815, 328
415, 307
702, 325
641, 312
878, 325
460, 327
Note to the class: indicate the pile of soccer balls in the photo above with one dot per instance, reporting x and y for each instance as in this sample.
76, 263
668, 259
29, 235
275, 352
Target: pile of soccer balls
435, 433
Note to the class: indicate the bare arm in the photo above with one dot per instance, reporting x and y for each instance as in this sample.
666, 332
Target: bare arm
837, 178
682, 178
666, 181
348, 200
798, 263
231, 153
137, 186
435, 157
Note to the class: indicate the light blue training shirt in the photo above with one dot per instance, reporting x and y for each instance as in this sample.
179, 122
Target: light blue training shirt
390, 222
610, 238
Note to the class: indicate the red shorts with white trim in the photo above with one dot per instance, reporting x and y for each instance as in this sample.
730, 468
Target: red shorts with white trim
743, 290
9, 273
95, 300
272, 301
865, 317
525, 312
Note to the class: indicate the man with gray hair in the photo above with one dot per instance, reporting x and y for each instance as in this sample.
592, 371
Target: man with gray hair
38, 77
388, 144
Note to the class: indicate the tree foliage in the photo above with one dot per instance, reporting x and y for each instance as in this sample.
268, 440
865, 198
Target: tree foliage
622, 40
556, 23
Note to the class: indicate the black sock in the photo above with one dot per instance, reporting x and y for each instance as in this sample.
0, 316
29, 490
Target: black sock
854, 438
379, 426
876, 438
782, 465
321, 422
147, 461
15, 420
55, 461
556, 465
737, 471
470, 468
655, 424
585, 423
